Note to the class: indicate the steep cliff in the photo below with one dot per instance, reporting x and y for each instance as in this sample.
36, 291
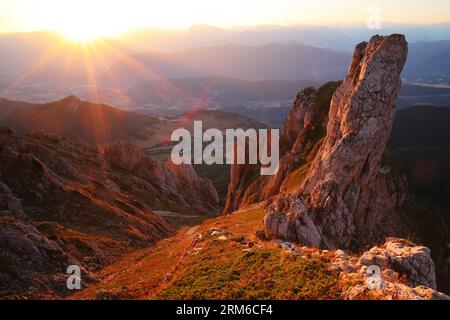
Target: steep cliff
336, 187
300, 138
348, 194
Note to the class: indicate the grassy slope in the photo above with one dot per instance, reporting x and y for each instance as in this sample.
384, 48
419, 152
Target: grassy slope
231, 265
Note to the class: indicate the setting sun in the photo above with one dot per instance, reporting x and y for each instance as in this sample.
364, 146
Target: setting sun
79, 34
85, 19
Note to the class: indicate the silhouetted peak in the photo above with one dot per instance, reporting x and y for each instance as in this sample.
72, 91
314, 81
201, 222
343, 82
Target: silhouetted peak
71, 98
72, 102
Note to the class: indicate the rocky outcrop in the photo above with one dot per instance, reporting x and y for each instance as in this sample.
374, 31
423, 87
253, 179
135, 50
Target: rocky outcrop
123, 155
65, 203
336, 186
191, 192
202, 189
31, 264
181, 189
396, 270
301, 136
405, 259
393, 291
348, 195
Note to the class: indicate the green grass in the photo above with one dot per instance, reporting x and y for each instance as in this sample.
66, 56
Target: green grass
225, 272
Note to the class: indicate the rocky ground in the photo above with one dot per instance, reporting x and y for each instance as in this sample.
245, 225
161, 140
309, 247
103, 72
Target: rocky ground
229, 258
65, 203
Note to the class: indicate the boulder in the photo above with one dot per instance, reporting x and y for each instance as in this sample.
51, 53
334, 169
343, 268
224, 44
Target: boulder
404, 258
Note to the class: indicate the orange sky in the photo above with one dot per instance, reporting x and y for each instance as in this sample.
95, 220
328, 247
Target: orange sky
108, 17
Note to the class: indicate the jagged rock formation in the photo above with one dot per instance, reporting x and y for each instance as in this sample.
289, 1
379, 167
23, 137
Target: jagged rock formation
348, 194
332, 147
407, 272
413, 261
123, 155
180, 189
65, 203
336, 187
300, 138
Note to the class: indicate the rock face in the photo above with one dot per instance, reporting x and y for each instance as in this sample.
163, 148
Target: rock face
27, 257
191, 192
123, 155
403, 271
301, 136
336, 187
393, 291
404, 258
65, 203
348, 194
199, 189
395, 270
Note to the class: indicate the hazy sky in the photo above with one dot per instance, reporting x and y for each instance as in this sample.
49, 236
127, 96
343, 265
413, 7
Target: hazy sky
112, 16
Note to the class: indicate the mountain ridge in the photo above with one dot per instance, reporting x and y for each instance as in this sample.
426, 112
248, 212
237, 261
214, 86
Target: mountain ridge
64, 203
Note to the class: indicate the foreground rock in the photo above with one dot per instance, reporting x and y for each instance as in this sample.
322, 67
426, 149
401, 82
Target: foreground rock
406, 259
177, 268
407, 272
396, 270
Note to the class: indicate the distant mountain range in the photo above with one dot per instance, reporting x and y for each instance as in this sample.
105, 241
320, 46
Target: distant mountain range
47, 62
84, 121
233, 71
79, 120
266, 101
7, 107
332, 37
428, 62
287, 61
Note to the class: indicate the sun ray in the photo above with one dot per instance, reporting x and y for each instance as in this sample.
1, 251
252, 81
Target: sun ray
91, 76
68, 64
97, 116
106, 67
139, 67
40, 62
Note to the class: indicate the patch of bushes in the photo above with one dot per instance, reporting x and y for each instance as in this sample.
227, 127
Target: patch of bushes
265, 273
